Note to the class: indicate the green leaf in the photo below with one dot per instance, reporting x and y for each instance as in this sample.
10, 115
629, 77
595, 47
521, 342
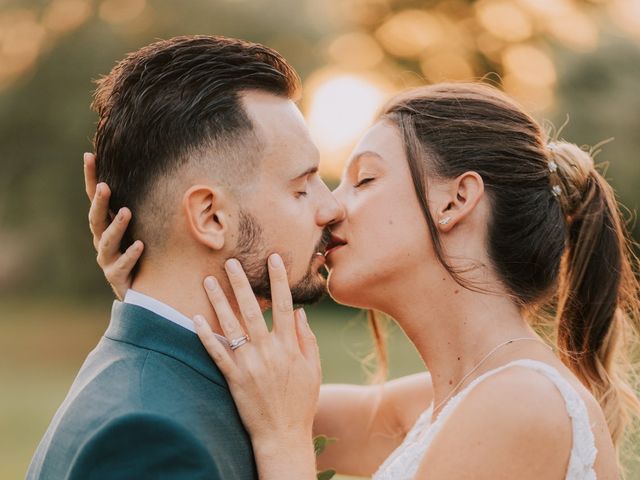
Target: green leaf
326, 475
320, 443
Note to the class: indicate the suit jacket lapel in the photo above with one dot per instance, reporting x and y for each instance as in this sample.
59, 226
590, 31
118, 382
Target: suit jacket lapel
140, 327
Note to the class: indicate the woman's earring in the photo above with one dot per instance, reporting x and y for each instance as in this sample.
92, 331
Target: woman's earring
444, 221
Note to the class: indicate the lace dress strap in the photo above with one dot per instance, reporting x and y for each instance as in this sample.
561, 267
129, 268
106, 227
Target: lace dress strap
403, 463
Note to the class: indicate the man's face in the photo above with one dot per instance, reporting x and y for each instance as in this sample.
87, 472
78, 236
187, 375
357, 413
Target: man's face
288, 206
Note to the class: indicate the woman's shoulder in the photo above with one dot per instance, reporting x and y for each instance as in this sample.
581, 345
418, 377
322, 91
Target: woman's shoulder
512, 424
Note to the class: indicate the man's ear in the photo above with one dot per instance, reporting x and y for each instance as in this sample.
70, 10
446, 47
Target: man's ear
207, 219
463, 194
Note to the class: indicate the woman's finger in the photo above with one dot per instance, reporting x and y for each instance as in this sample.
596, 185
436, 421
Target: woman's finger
247, 302
109, 244
213, 346
282, 305
246, 299
228, 321
306, 338
124, 265
89, 168
99, 213
118, 274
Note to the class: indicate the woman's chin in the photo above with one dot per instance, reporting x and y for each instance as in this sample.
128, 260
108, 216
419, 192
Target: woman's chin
342, 290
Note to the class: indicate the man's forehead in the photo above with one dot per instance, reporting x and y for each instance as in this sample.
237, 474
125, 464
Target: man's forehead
286, 142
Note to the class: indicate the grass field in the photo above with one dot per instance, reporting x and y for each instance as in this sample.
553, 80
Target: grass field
43, 343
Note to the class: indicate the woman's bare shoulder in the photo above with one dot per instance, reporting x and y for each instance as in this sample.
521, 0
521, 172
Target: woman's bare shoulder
513, 424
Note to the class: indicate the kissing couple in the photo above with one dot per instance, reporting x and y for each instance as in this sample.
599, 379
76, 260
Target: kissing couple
456, 215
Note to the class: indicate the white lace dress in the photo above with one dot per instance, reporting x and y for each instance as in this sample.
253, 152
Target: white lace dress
403, 463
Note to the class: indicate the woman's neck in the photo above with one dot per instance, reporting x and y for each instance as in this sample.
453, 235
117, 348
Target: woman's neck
454, 328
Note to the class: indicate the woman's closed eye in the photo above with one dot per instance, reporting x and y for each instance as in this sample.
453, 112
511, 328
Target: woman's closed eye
364, 181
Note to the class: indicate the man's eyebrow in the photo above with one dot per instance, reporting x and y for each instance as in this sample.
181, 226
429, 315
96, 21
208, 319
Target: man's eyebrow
308, 171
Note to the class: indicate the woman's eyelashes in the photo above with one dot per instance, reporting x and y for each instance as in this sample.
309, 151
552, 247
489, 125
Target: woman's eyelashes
364, 181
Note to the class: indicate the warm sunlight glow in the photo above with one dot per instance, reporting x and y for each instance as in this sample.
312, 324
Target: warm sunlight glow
356, 50
546, 9
121, 11
340, 108
583, 34
447, 66
409, 32
626, 14
21, 39
529, 65
64, 15
505, 20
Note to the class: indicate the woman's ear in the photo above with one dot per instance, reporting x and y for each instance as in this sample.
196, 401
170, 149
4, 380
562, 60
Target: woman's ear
205, 214
464, 193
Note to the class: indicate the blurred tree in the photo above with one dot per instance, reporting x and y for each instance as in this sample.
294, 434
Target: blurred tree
600, 93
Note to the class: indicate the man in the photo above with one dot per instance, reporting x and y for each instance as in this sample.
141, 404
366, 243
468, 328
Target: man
201, 138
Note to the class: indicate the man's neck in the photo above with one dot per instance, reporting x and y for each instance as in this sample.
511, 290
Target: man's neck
182, 292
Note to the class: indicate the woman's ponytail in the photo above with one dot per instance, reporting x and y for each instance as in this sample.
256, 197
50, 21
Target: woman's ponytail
598, 303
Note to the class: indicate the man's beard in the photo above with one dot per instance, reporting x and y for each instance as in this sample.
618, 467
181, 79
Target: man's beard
252, 254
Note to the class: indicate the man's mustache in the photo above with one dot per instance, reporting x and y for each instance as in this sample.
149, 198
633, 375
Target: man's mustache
325, 238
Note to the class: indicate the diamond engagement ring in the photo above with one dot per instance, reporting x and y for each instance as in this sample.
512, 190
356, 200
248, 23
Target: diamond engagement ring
238, 342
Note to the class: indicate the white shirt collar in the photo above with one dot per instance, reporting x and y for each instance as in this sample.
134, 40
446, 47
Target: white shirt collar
165, 311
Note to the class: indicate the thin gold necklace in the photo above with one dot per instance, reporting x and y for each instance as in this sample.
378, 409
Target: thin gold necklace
495, 349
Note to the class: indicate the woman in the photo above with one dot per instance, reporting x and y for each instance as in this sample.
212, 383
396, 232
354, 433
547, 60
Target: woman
461, 222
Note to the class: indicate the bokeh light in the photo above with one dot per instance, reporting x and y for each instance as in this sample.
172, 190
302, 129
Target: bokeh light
121, 11
505, 20
409, 32
64, 15
339, 107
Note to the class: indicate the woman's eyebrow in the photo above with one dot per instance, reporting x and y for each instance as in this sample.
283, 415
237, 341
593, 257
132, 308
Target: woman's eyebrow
359, 156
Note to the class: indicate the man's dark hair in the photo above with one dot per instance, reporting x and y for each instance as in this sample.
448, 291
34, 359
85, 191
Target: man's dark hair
174, 102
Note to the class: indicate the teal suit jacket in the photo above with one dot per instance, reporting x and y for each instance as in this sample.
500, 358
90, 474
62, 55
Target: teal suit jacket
148, 403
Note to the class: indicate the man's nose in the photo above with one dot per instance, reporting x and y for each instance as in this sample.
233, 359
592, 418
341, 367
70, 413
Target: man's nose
331, 210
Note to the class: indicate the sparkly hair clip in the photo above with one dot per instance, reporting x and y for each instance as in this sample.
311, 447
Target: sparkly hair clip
553, 168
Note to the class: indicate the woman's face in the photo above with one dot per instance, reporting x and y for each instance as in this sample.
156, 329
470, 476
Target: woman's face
384, 231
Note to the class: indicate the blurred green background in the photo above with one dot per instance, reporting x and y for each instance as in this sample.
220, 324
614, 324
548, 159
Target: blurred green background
558, 57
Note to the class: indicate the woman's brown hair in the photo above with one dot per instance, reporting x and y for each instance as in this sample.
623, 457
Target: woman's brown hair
555, 235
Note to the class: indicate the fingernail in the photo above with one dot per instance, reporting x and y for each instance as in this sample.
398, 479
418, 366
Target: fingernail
275, 260
85, 156
120, 215
210, 283
99, 191
233, 265
301, 318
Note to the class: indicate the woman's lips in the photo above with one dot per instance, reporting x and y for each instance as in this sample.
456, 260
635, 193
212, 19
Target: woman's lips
332, 249
334, 244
